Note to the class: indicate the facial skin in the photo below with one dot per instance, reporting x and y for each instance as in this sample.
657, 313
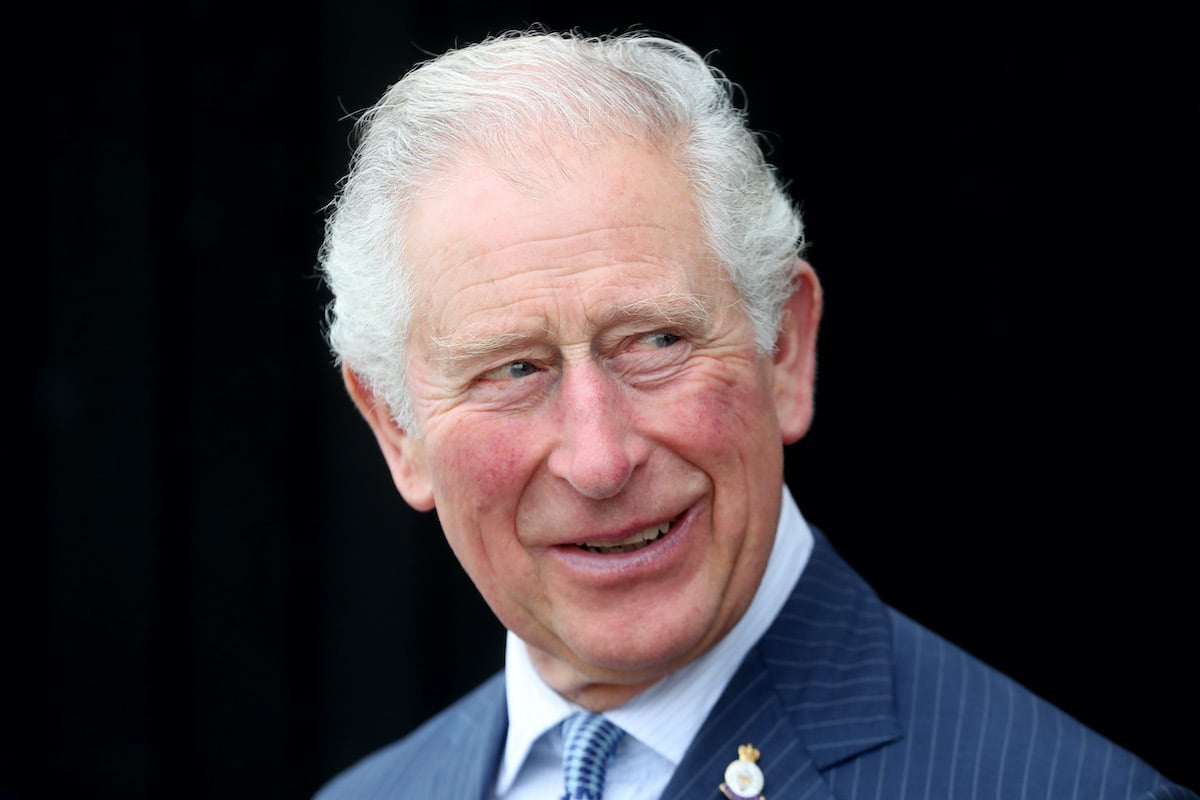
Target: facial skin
582, 371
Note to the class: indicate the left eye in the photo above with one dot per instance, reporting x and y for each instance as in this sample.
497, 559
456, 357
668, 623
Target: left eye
661, 339
514, 369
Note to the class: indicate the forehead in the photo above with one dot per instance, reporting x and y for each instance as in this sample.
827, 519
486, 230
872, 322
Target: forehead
614, 222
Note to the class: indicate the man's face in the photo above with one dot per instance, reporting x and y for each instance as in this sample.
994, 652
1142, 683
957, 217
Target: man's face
598, 433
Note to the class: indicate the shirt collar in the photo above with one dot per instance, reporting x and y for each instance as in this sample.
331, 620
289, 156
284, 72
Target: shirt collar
666, 716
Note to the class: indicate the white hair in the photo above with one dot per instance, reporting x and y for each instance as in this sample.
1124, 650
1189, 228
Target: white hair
513, 95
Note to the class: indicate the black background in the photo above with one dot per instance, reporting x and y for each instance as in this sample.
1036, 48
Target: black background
211, 588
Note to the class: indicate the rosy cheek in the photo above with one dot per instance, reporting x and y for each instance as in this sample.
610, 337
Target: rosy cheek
481, 465
711, 413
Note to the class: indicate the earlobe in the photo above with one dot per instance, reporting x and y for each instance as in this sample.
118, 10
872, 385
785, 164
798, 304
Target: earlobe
404, 453
795, 361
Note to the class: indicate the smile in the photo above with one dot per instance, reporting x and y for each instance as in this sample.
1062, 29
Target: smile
635, 542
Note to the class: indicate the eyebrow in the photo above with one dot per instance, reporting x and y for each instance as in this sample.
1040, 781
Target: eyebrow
455, 348
670, 309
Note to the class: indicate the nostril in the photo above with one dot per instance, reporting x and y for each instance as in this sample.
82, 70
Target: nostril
596, 472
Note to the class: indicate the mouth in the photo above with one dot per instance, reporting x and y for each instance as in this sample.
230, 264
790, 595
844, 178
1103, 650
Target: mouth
637, 541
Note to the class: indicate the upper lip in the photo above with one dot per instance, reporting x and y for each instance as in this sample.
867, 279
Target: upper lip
654, 529
614, 535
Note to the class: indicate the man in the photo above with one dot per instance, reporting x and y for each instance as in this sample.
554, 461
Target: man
569, 300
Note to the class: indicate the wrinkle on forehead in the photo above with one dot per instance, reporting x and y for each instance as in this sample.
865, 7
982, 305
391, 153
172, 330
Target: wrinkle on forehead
598, 173
493, 264
617, 241
548, 276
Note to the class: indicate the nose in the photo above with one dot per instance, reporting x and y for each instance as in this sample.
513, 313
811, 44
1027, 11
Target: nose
598, 448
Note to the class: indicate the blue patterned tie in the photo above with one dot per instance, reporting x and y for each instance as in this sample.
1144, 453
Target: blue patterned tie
590, 741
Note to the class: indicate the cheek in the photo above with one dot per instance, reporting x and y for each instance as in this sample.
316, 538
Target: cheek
478, 466
724, 416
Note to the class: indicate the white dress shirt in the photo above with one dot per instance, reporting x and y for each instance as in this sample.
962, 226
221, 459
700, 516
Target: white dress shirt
661, 721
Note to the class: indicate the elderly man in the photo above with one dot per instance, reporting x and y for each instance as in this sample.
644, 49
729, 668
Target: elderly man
571, 304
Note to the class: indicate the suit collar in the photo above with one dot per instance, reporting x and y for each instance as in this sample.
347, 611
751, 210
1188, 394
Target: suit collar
830, 656
816, 689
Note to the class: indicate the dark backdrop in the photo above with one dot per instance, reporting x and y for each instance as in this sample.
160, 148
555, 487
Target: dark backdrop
211, 589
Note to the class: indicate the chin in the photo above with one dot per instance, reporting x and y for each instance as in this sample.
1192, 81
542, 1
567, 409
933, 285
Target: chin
641, 654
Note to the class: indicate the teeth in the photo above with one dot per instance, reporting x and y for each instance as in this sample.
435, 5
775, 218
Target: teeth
635, 542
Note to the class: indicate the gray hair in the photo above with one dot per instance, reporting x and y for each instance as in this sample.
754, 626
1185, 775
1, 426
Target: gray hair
513, 95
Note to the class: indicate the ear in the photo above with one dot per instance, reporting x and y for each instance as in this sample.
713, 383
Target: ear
794, 370
403, 452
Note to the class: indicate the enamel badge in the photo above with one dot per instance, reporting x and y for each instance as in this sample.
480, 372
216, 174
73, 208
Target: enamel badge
743, 778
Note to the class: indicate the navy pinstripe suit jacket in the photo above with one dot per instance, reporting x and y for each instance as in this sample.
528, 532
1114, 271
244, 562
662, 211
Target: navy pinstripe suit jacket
844, 697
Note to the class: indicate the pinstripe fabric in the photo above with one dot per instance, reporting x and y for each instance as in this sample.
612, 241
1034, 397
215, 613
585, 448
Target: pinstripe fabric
847, 698
454, 755
844, 698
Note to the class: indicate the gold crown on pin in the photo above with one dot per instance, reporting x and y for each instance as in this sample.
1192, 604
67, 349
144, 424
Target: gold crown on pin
743, 778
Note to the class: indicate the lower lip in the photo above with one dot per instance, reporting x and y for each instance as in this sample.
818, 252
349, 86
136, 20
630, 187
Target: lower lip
658, 556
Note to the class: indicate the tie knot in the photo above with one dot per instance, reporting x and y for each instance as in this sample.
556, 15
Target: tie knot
590, 741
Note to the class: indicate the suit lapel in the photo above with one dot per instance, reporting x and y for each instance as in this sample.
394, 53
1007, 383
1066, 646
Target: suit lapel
477, 744
815, 691
830, 656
